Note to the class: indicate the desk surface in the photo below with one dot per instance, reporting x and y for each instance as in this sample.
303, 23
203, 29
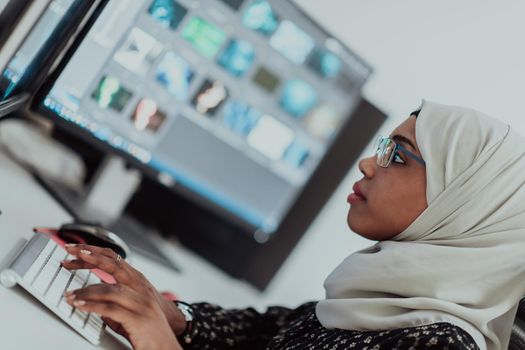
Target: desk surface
25, 323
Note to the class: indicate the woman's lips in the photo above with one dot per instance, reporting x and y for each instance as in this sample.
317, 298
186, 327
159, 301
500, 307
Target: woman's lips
354, 198
357, 196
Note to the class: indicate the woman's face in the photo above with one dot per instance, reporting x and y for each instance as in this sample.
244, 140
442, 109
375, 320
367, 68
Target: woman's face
394, 196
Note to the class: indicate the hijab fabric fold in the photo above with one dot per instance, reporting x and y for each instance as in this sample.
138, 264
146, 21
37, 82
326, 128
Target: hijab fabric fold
462, 260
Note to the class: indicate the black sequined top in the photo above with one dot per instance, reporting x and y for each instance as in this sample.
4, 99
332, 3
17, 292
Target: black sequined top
280, 328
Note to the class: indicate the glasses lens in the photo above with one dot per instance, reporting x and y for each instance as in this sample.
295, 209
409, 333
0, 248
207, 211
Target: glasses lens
378, 144
385, 152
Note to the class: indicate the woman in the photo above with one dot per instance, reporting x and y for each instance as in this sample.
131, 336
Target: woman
445, 202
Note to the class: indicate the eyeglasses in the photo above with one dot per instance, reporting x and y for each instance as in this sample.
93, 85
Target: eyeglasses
387, 151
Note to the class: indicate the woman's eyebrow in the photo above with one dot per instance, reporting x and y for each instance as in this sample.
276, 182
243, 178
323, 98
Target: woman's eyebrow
403, 139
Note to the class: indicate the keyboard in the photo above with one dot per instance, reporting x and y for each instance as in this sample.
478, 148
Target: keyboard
36, 268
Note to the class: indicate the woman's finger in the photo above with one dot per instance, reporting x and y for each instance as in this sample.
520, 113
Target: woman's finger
76, 249
111, 293
104, 309
99, 250
117, 267
77, 264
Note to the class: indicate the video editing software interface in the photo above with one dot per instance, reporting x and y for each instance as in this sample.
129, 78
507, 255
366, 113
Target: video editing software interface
236, 101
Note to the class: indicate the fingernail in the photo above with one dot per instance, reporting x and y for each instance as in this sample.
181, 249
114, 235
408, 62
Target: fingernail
86, 252
70, 245
79, 303
70, 295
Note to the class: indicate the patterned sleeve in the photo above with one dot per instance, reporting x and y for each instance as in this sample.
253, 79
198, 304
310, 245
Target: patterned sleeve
218, 328
438, 336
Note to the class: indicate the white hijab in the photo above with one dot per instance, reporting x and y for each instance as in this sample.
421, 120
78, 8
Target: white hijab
462, 260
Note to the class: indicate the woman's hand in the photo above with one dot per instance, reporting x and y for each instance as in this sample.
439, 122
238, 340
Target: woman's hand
132, 307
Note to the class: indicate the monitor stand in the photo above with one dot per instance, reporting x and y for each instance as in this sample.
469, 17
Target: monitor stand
135, 234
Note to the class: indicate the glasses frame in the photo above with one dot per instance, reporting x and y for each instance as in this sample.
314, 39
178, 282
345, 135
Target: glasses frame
397, 147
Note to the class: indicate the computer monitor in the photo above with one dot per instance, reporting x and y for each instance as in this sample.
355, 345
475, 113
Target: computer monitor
247, 110
232, 103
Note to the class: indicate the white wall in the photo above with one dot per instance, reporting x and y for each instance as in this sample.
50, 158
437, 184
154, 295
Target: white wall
468, 52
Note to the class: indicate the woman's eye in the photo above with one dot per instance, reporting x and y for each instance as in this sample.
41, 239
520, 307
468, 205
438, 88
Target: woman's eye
397, 159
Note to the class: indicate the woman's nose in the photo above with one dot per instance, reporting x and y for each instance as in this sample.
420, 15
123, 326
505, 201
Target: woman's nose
367, 166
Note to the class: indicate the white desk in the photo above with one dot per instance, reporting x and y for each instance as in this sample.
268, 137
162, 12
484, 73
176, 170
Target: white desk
26, 324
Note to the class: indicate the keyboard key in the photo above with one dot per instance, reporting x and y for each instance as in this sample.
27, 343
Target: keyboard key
45, 276
65, 308
77, 282
93, 330
93, 333
95, 321
93, 279
79, 318
58, 287
53, 265
82, 274
84, 315
58, 255
39, 262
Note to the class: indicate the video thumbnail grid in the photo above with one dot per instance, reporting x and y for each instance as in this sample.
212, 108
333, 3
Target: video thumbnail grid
284, 37
267, 134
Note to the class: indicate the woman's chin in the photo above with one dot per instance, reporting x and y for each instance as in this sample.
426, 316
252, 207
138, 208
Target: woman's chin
357, 225
352, 222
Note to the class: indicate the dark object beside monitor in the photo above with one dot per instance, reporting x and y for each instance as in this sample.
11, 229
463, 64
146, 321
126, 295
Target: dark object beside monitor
10, 14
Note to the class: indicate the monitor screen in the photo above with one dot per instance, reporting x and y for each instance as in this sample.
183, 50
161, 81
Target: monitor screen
232, 102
